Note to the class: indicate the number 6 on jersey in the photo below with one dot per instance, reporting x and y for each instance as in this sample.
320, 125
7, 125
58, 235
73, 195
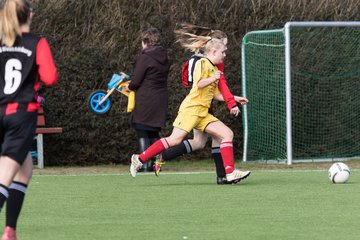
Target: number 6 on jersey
12, 75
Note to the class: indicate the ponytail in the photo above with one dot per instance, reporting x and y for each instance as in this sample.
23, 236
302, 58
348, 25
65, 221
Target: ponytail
13, 14
194, 38
194, 29
193, 42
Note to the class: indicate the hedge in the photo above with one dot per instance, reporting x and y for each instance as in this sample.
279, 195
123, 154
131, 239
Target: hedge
92, 39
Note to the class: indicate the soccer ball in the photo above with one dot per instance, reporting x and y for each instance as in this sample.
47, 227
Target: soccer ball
339, 173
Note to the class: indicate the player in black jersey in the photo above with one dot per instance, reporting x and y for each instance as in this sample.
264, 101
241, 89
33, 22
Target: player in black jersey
25, 59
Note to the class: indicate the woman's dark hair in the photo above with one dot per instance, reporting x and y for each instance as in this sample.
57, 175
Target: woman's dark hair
151, 37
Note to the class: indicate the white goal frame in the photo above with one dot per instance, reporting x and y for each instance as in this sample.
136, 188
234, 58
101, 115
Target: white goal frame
287, 35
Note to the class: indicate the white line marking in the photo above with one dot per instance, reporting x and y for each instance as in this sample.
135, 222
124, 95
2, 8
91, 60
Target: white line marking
180, 173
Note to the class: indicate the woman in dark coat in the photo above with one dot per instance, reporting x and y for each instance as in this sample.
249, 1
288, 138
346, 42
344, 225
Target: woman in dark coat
149, 81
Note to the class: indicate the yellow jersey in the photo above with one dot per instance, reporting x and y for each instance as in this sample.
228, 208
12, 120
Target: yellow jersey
198, 101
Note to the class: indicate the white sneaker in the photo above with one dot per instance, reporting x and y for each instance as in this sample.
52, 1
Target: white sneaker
135, 165
237, 175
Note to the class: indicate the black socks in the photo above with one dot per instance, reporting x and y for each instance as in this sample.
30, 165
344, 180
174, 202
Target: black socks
14, 203
220, 170
177, 151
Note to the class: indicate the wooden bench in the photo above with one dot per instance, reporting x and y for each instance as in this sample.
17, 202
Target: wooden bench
40, 130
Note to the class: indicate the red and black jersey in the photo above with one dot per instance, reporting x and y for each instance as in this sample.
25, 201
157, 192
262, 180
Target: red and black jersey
188, 71
21, 67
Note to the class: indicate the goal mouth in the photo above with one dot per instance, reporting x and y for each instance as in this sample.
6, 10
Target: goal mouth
302, 83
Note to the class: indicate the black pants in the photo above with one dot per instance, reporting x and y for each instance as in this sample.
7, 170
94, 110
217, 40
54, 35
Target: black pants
145, 139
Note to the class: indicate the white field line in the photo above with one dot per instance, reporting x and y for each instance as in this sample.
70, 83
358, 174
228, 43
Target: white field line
177, 173
121, 174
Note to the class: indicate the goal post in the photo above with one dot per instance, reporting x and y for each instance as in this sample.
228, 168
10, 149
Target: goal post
259, 77
302, 82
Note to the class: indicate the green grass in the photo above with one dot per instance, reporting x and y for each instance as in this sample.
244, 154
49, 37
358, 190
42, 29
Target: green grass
286, 204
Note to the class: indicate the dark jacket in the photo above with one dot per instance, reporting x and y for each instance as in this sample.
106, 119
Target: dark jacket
149, 81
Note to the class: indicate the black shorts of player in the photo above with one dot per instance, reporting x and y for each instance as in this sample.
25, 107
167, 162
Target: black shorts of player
17, 132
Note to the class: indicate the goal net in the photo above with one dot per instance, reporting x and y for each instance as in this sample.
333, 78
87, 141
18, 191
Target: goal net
303, 85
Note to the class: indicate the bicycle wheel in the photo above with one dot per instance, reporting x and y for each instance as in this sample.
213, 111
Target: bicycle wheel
94, 102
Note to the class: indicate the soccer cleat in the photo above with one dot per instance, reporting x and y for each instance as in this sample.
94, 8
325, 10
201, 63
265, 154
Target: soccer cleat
237, 175
9, 234
158, 164
222, 181
135, 165
147, 167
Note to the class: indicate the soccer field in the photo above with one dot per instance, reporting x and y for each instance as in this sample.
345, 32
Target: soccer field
270, 204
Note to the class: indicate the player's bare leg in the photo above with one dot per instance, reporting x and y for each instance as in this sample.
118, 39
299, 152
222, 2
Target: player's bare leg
175, 138
220, 131
17, 190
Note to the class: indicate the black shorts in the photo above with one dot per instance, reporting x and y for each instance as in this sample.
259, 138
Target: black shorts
17, 132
